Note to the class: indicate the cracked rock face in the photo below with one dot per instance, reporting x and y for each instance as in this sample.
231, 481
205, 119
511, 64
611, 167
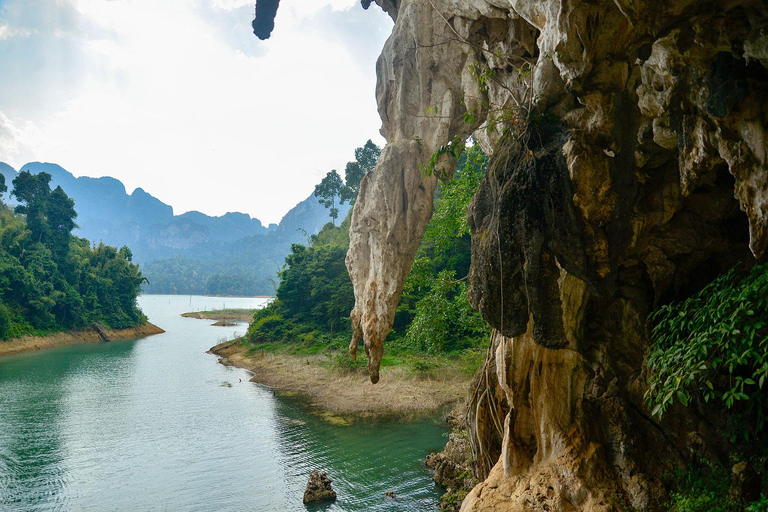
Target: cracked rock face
628, 166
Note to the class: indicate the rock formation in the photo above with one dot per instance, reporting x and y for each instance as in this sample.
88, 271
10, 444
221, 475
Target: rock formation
264, 21
628, 150
318, 488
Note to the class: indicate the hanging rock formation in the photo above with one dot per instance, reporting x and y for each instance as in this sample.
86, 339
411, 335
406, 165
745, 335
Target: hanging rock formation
628, 166
264, 21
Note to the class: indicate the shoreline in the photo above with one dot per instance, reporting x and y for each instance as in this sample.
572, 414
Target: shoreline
221, 296
343, 397
85, 335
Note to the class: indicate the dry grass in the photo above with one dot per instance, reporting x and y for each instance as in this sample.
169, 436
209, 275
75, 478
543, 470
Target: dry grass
342, 395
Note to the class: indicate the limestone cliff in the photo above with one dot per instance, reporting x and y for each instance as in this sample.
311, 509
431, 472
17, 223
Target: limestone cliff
628, 150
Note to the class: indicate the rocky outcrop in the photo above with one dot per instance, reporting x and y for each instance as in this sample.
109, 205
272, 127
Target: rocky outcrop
453, 470
319, 488
628, 149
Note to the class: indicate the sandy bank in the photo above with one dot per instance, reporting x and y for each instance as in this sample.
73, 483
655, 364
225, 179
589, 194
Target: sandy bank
86, 335
343, 396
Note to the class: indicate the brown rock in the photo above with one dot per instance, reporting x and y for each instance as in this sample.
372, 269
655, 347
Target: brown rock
629, 169
318, 488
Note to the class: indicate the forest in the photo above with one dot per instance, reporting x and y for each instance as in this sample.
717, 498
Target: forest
51, 280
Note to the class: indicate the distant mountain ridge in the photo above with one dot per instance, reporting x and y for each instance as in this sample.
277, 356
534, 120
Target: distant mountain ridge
148, 226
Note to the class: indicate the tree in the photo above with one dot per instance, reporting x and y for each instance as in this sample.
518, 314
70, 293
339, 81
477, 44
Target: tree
365, 160
50, 214
327, 190
61, 215
32, 191
3, 187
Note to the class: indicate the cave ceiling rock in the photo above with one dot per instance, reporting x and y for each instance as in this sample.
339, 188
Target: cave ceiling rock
652, 119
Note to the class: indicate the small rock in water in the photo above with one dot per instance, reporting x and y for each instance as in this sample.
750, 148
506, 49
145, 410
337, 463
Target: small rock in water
390, 494
318, 488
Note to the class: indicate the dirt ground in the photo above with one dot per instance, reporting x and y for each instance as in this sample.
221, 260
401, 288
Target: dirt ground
344, 395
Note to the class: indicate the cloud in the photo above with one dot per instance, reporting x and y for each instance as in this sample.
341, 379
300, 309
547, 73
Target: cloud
17, 143
7, 32
181, 99
232, 4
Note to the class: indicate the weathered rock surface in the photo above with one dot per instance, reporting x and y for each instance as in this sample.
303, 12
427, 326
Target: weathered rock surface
628, 166
453, 470
318, 488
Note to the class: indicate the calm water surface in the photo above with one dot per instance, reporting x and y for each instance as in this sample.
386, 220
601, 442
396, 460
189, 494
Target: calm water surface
158, 424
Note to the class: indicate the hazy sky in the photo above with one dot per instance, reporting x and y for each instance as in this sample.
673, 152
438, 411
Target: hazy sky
180, 98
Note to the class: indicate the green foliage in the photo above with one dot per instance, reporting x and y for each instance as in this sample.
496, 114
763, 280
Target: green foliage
700, 488
449, 221
343, 361
434, 311
327, 190
365, 160
430, 329
760, 505
714, 345
315, 292
454, 148
332, 185
51, 280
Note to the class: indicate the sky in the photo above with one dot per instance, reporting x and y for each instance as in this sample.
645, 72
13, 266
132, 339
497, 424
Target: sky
178, 97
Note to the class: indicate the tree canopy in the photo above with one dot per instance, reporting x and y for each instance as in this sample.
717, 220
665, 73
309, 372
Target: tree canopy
328, 190
332, 186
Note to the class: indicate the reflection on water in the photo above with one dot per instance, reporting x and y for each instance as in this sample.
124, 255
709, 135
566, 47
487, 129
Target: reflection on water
157, 424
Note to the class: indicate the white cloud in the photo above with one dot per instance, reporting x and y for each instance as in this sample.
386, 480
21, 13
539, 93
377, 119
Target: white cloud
232, 4
17, 141
167, 103
7, 32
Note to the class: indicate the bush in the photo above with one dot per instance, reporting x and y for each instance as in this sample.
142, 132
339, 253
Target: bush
700, 488
5, 321
760, 505
344, 362
721, 331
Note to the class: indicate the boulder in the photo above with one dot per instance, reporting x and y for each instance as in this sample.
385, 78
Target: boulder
318, 488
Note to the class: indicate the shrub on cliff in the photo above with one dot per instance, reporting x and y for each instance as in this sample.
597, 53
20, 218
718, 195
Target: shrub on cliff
714, 345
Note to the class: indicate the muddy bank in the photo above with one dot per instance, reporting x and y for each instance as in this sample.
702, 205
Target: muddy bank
344, 396
85, 335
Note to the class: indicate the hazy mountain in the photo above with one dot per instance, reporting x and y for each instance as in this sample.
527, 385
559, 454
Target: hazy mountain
188, 253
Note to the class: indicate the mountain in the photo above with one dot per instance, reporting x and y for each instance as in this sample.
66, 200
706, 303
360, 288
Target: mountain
187, 253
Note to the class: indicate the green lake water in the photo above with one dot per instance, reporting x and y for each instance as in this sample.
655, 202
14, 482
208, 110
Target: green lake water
158, 424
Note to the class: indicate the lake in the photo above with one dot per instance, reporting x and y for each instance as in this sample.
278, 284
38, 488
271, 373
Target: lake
158, 424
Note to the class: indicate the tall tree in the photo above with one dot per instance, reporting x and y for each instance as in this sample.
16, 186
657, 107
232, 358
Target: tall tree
365, 160
60, 214
327, 191
32, 191
3, 188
